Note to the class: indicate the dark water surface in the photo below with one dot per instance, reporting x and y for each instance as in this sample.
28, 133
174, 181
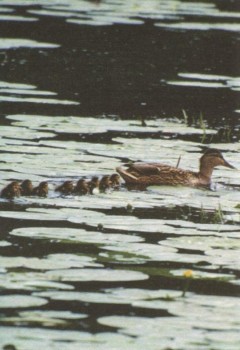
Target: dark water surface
77, 81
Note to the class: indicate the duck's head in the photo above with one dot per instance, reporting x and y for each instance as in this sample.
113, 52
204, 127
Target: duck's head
14, 186
115, 179
68, 185
43, 185
82, 183
212, 158
27, 184
105, 180
94, 181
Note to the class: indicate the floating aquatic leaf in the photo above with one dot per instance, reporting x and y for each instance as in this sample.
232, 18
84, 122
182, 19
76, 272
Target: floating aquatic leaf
234, 27
92, 126
37, 100
5, 9
68, 315
4, 243
50, 338
104, 21
51, 262
147, 251
30, 281
6, 84
23, 133
111, 296
199, 84
7, 43
210, 77
87, 274
201, 243
44, 318
147, 328
26, 91
20, 301
204, 275
17, 18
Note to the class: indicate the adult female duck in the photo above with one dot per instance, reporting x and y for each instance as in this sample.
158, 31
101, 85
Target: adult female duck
147, 174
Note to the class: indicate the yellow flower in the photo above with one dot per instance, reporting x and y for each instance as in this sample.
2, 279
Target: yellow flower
188, 274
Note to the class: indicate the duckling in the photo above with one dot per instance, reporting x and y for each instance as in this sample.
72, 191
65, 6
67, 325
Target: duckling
105, 183
82, 187
12, 190
93, 185
26, 188
66, 188
115, 180
41, 190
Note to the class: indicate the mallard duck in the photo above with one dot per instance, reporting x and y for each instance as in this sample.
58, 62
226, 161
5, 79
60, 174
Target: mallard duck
93, 185
26, 188
41, 190
66, 188
104, 183
11, 190
81, 187
147, 174
115, 180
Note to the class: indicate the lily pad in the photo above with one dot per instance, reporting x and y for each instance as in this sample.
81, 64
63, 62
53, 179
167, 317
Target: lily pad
87, 274
21, 301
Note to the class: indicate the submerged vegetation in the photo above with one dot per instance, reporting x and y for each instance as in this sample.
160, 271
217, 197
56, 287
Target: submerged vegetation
224, 134
212, 217
200, 123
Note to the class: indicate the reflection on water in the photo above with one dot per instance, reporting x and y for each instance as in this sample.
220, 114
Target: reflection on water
89, 85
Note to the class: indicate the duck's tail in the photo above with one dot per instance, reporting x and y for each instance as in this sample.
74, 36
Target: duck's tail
128, 177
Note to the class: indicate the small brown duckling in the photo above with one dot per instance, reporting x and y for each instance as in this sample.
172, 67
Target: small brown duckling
82, 187
115, 180
105, 183
12, 190
93, 184
26, 188
66, 188
41, 190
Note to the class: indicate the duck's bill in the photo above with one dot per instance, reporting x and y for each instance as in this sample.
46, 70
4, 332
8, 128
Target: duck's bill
228, 165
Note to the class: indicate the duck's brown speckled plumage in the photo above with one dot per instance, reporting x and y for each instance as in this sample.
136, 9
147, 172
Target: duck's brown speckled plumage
147, 174
115, 180
104, 183
12, 190
81, 188
66, 188
26, 188
93, 184
41, 190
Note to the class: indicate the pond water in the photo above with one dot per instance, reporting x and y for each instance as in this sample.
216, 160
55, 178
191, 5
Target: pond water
86, 86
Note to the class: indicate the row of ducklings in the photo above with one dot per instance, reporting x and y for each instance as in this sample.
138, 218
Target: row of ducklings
82, 187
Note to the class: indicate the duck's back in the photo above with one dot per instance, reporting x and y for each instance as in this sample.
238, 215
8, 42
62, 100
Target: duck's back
149, 168
148, 174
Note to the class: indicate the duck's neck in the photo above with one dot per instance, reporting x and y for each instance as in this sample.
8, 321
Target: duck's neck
206, 171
